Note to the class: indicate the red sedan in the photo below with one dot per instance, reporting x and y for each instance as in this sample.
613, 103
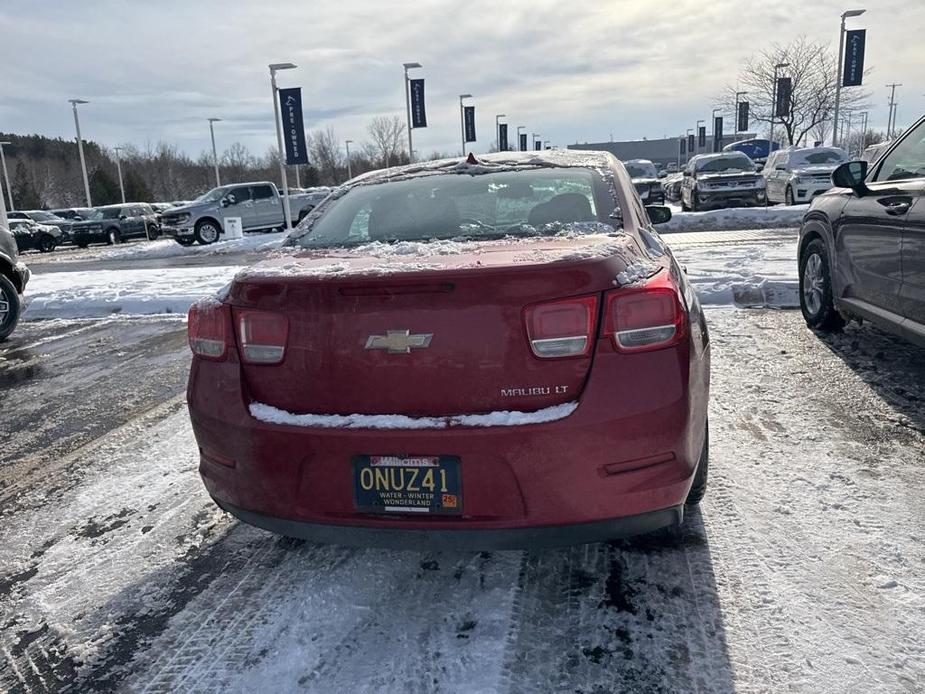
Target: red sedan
483, 353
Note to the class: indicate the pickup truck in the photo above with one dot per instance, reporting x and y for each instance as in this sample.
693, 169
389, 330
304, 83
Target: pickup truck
259, 206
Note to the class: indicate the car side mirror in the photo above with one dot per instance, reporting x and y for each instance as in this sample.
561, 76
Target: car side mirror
686, 174
662, 174
658, 214
759, 167
123, 216
851, 174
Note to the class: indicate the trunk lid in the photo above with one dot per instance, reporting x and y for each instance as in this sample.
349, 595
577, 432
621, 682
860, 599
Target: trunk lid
425, 329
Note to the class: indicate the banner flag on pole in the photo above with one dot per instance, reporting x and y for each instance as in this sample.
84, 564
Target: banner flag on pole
702, 136
523, 142
469, 120
717, 133
538, 145
742, 124
683, 145
784, 88
502, 137
290, 102
418, 114
690, 143
853, 72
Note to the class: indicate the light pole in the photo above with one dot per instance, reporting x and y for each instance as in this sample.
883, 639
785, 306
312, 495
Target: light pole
80, 149
689, 152
863, 140
407, 66
119, 169
462, 120
891, 118
218, 178
519, 128
738, 94
274, 67
779, 66
498, 128
349, 169
6, 175
697, 132
841, 51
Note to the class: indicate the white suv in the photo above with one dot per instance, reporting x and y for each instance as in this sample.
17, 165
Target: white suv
795, 176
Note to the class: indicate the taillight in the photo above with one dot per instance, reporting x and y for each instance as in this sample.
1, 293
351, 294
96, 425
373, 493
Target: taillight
263, 336
645, 318
563, 328
207, 330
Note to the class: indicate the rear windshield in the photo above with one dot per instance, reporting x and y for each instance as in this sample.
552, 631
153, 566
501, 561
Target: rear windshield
638, 169
459, 206
732, 162
821, 156
104, 213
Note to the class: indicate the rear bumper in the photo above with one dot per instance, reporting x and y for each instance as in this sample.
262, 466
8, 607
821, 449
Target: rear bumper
461, 539
627, 451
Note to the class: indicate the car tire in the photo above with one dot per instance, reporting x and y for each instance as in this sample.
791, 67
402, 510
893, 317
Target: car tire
816, 300
82, 245
113, 237
207, 232
47, 243
10, 307
788, 196
699, 485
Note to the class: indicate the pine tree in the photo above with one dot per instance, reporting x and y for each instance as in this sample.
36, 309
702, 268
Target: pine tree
103, 189
136, 190
24, 194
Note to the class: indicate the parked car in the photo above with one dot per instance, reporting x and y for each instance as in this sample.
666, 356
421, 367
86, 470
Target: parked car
797, 175
671, 186
510, 385
724, 179
862, 244
73, 214
874, 152
258, 205
646, 180
45, 217
32, 236
757, 149
116, 223
14, 275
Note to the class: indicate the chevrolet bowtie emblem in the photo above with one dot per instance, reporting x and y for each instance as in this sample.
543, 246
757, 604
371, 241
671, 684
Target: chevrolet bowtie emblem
399, 341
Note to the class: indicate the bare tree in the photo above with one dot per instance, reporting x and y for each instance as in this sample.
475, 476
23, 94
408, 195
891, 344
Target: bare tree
812, 70
325, 151
388, 135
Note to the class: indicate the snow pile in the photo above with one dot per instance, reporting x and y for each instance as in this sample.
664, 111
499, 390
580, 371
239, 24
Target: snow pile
747, 275
635, 273
272, 415
100, 293
735, 218
297, 269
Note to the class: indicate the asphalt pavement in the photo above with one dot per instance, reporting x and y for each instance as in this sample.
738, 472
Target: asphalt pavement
802, 572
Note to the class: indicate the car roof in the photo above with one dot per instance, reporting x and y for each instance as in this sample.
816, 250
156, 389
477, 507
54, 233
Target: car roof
717, 155
638, 161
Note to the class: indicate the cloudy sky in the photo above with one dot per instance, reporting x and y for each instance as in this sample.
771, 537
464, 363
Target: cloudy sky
571, 71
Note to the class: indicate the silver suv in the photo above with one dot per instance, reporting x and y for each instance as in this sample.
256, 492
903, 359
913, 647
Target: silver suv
795, 176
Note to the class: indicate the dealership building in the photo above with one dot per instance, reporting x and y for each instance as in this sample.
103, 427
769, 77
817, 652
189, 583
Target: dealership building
660, 152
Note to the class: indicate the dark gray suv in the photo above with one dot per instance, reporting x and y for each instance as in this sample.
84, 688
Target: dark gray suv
862, 244
13, 278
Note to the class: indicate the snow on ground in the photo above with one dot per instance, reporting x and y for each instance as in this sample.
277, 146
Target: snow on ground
755, 273
168, 248
734, 218
98, 293
750, 268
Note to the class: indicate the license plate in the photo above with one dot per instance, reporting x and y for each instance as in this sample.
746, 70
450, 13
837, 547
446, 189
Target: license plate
407, 484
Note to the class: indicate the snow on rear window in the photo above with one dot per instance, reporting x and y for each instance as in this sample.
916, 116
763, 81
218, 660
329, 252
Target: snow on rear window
453, 206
